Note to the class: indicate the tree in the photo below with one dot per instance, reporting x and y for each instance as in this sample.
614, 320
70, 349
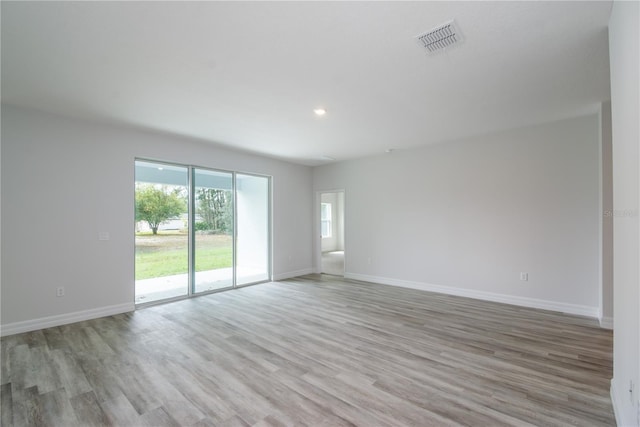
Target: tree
214, 207
156, 205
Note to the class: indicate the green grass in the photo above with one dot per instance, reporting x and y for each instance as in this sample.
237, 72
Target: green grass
159, 260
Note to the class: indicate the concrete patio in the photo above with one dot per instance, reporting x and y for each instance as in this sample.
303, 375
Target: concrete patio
159, 288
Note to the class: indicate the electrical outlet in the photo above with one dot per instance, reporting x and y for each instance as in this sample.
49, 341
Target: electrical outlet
524, 276
60, 291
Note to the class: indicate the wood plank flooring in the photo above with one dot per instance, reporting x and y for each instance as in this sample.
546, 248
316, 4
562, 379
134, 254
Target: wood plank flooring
314, 351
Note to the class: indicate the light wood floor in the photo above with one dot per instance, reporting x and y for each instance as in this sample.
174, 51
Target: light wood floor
316, 351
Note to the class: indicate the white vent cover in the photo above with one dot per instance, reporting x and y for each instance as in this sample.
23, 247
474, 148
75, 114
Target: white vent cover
441, 37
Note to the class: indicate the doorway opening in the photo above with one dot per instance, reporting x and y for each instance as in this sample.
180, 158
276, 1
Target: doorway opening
332, 233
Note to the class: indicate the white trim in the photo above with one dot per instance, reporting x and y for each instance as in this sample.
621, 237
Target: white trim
617, 410
581, 310
290, 274
606, 322
63, 319
614, 400
601, 219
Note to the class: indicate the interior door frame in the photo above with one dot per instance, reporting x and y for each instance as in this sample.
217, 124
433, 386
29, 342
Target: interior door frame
317, 239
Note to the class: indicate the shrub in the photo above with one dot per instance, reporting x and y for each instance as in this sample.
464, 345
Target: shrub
202, 226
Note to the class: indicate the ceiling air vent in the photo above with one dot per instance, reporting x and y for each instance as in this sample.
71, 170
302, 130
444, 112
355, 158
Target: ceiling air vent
441, 37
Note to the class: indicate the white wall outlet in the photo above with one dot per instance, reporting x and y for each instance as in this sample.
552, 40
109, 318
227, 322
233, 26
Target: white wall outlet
524, 276
369, 260
60, 291
103, 235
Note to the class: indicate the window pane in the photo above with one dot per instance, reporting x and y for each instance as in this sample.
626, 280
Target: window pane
252, 251
213, 237
325, 219
325, 211
325, 229
161, 232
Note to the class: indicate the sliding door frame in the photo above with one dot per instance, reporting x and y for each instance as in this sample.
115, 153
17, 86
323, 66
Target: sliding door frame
192, 231
191, 212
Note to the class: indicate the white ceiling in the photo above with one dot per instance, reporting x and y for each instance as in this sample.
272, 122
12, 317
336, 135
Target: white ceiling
248, 75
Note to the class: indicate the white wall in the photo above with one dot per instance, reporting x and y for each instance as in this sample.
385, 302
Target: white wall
64, 180
624, 47
467, 217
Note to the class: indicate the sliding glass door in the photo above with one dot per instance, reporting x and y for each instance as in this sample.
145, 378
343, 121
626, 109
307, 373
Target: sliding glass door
162, 232
213, 224
253, 229
198, 230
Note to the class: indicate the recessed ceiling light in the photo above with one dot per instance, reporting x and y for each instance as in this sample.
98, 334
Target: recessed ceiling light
320, 111
160, 168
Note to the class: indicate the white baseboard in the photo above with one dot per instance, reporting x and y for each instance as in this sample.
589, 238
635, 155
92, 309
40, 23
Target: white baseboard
606, 322
63, 319
580, 310
622, 419
290, 274
614, 401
